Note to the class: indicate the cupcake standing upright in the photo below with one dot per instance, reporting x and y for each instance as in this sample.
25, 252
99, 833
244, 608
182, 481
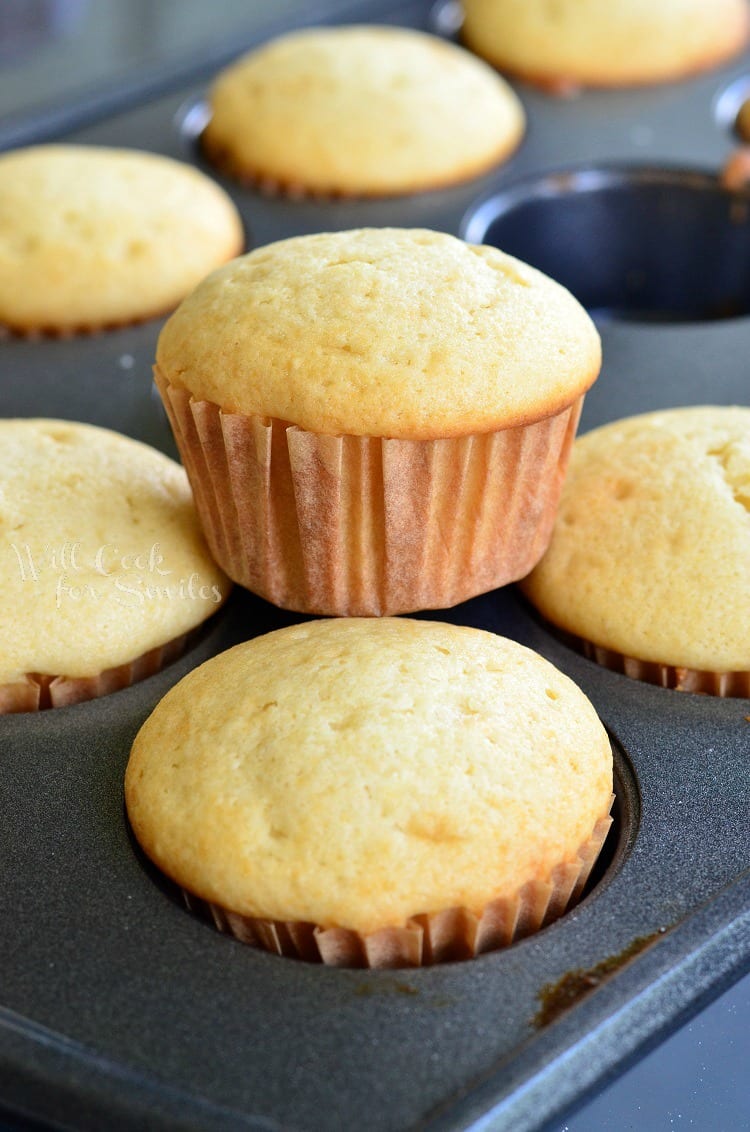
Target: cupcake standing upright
376, 421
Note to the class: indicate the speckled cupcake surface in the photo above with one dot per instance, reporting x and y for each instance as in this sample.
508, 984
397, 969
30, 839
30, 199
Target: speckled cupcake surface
618, 43
650, 556
102, 559
361, 111
92, 237
387, 332
356, 774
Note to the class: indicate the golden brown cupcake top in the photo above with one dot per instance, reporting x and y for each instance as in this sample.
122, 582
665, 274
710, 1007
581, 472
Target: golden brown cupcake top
361, 110
91, 237
605, 42
650, 555
358, 772
382, 332
101, 555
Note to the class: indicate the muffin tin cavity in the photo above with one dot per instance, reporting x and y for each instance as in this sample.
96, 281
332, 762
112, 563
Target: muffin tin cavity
620, 841
626, 817
641, 245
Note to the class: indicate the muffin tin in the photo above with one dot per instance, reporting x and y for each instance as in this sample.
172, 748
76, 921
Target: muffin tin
118, 1008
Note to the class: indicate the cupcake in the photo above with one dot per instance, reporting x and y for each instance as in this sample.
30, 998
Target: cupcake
590, 43
104, 569
376, 793
92, 238
376, 421
360, 111
649, 565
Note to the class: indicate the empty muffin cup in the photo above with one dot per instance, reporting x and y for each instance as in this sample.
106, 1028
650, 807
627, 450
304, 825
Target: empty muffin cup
641, 244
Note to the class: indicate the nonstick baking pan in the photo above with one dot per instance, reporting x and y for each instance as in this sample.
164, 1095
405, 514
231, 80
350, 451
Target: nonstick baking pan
121, 1010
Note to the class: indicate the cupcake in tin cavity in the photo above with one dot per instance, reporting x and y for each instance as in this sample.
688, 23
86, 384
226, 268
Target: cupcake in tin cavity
360, 111
379, 792
93, 237
103, 565
376, 421
613, 43
649, 565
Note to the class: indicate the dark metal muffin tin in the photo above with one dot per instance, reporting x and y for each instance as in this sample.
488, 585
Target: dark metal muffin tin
120, 1010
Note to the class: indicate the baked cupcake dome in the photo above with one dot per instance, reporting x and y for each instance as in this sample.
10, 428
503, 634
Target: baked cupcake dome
104, 566
376, 421
649, 564
361, 111
354, 775
93, 237
617, 43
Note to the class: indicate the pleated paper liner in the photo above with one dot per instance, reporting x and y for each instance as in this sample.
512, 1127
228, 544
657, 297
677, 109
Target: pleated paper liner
724, 684
438, 937
227, 165
369, 526
85, 329
224, 162
37, 691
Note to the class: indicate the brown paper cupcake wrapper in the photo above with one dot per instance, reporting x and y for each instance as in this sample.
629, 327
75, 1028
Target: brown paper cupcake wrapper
369, 526
36, 691
79, 329
725, 684
225, 163
438, 937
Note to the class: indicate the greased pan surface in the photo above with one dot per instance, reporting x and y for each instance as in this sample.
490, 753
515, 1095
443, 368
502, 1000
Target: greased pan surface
120, 1010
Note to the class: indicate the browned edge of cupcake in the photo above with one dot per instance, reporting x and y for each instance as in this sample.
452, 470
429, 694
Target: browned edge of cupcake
440, 937
38, 692
678, 678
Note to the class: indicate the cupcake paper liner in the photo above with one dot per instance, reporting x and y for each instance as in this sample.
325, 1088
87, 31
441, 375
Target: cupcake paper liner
37, 691
223, 161
724, 684
437, 937
369, 526
93, 329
